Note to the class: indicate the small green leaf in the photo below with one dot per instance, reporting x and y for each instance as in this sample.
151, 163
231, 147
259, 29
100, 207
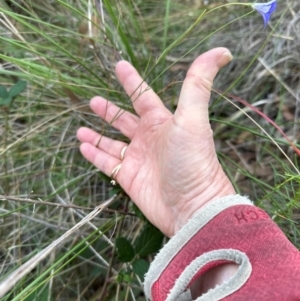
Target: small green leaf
17, 88
3, 92
149, 241
140, 267
125, 249
6, 101
138, 212
115, 190
123, 276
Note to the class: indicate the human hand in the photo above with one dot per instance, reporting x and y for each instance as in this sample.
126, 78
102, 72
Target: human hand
170, 168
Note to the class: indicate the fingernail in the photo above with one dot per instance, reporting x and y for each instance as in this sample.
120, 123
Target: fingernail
228, 54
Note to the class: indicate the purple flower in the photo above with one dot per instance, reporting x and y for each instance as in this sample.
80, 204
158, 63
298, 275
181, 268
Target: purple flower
265, 9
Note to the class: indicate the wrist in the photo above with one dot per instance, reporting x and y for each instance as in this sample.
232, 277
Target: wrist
219, 188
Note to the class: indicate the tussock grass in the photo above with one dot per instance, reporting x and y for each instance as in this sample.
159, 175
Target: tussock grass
66, 51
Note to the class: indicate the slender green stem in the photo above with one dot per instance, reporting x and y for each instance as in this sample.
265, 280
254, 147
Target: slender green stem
166, 28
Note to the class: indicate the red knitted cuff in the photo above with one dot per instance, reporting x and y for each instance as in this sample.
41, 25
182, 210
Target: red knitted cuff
227, 230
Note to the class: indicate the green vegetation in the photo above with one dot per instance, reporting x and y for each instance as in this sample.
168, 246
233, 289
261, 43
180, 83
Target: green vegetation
56, 55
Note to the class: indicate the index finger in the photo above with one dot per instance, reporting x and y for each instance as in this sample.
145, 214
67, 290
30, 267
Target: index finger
144, 99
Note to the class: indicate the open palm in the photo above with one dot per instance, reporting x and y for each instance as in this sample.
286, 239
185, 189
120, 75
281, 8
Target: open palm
170, 168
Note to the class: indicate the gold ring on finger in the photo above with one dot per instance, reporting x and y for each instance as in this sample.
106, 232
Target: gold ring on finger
114, 174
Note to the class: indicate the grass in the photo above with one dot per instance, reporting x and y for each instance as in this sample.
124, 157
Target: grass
66, 51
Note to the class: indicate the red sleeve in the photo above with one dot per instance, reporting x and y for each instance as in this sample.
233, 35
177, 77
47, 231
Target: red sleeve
269, 265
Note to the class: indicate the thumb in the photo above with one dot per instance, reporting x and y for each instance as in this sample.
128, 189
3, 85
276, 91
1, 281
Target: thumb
196, 88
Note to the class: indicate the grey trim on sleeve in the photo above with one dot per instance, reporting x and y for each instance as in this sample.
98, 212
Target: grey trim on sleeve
186, 296
193, 226
220, 291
